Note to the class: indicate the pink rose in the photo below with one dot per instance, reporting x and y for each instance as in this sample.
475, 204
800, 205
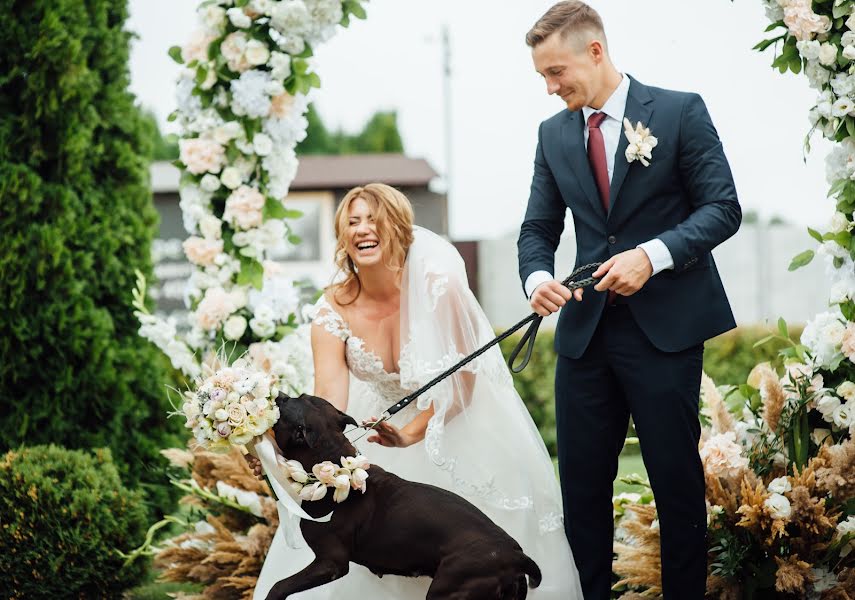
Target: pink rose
214, 308
325, 472
802, 22
202, 252
201, 155
243, 208
233, 50
848, 345
197, 47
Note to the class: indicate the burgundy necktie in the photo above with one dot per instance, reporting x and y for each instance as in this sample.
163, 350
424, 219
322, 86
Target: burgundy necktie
599, 166
597, 157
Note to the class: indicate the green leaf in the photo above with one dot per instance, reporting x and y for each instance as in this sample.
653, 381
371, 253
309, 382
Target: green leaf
294, 239
838, 187
251, 273
241, 3
201, 74
815, 234
291, 213
306, 53
782, 328
795, 64
175, 54
848, 310
172, 116
273, 209
838, 262
801, 260
765, 340
314, 80
775, 25
842, 10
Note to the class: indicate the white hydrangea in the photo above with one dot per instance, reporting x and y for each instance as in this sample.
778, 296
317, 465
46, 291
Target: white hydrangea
281, 165
279, 294
195, 204
291, 18
817, 75
256, 242
250, 94
823, 335
188, 105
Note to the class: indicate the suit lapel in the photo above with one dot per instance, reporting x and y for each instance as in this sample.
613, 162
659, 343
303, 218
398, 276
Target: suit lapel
639, 108
573, 139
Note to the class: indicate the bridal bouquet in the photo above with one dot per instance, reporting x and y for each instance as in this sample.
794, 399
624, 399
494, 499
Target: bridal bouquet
232, 406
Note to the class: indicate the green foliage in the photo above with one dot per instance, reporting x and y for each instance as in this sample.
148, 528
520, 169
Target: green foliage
380, 134
728, 359
77, 219
65, 516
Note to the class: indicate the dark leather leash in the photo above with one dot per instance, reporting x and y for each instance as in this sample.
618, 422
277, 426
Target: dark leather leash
526, 341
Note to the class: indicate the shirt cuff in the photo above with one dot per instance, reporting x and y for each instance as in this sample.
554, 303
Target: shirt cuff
659, 255
535, 279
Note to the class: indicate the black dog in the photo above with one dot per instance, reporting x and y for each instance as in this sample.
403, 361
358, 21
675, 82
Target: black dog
396, 527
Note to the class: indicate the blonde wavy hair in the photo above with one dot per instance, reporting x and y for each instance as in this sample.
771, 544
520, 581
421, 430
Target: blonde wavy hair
393, 218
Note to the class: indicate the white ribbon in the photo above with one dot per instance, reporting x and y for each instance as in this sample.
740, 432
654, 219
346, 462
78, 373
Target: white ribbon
288, 502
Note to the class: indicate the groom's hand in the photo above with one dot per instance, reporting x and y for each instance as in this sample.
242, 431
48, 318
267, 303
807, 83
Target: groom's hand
624, 273
550, 296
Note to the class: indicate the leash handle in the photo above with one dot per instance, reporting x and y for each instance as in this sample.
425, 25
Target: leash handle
527, 340
529, 336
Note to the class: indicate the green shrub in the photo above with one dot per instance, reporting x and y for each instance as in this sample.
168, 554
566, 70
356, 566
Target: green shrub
64, 515
77, 218
728, 359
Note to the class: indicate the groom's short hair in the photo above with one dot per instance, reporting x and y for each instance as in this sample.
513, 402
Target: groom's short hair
567, 18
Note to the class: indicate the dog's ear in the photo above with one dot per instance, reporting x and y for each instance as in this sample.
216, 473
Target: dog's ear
344, 420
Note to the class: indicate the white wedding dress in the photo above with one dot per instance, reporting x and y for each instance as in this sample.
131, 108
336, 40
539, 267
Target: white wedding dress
481, 442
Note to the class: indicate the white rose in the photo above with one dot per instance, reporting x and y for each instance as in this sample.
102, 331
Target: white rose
213, 18
827, 54
842, 107
231, 178
839, 223
843, 415
850, 22
256, 52
846, 390
827, 405
262, 329
848, 39
239, 18
262, 144
316, 491
210, 183
849, 52
280, 65
296, 471
780, 485
778, 506
809, 49
234, 327
227, 132
221, 414
211, 227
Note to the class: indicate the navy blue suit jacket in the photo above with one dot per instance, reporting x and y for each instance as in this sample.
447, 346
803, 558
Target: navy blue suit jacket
685, 197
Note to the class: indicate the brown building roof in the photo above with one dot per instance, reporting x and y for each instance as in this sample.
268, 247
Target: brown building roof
338, 172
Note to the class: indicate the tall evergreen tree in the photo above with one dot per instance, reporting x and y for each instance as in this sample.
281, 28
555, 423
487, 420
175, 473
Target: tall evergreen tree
76, 220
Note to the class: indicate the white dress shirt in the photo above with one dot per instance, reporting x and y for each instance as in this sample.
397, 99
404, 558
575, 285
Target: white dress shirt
612, 129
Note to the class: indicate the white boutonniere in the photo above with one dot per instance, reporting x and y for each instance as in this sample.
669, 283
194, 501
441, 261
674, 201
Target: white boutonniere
641, 143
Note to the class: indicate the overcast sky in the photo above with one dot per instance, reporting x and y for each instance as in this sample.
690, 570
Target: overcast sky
393, 61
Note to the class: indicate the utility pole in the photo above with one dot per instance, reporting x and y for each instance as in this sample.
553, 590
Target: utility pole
447, 129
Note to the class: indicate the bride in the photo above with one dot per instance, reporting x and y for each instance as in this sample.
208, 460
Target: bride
402, 313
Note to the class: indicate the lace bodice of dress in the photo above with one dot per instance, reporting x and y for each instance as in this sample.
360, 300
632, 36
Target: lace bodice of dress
364, 364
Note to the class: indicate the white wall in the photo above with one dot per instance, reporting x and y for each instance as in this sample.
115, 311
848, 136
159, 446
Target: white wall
753, 266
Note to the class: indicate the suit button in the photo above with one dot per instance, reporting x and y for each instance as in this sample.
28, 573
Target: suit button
612, 239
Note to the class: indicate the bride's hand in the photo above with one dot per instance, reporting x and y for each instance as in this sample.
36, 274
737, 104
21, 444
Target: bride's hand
254, 465
388, 435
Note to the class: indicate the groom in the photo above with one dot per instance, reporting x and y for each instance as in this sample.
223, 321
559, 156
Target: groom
634, 344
